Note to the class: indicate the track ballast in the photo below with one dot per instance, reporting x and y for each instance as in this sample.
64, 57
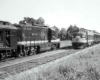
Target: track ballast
13, 67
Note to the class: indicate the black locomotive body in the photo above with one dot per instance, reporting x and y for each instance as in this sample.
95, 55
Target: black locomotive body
8, 42
22, 40
33, 39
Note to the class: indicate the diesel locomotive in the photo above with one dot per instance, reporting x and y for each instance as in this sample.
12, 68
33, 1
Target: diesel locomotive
24, 40
85, 38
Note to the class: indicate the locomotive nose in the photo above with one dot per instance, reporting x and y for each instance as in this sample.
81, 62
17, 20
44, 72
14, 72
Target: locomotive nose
77, 38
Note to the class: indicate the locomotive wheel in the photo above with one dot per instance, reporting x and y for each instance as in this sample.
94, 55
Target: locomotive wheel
25, 53
21, 54
32, 51
8, 54
35, 50
2, 56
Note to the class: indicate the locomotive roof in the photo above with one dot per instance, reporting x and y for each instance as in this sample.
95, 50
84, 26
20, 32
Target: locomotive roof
96, 33
7, 27
38, 26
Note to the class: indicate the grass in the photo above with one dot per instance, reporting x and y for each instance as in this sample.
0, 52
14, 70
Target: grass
84, 66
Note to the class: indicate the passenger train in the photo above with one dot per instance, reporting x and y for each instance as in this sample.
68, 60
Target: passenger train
85, 38
26, 40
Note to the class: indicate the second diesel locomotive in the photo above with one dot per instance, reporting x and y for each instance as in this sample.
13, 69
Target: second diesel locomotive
34, 39
22, 40
85, 38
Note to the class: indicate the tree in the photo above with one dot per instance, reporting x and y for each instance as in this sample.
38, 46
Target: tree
40, 20
71, 31
56, 30
22, 22
31, 21
95, 31
63, 34
28, 20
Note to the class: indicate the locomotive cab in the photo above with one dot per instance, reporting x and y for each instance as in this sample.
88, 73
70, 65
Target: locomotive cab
8, 40
83, 38
79, 40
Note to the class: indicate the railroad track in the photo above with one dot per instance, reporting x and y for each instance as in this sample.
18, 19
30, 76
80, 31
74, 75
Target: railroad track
32, 61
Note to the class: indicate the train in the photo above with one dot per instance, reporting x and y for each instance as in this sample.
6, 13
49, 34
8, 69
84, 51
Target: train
25, 40
85, 38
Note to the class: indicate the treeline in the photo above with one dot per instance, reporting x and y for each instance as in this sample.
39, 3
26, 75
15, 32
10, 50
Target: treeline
66, 34
32, 21
63, 33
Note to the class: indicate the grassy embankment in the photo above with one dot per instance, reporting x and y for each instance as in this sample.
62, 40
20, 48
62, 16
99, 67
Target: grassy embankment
83, 66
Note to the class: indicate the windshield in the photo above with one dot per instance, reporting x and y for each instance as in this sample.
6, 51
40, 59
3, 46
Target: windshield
80, 34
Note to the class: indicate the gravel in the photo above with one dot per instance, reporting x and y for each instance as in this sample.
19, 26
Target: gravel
23, 64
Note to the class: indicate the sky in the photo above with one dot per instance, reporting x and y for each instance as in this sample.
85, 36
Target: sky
61, 13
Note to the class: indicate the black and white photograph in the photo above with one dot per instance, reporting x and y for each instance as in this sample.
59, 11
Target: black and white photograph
49, 39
